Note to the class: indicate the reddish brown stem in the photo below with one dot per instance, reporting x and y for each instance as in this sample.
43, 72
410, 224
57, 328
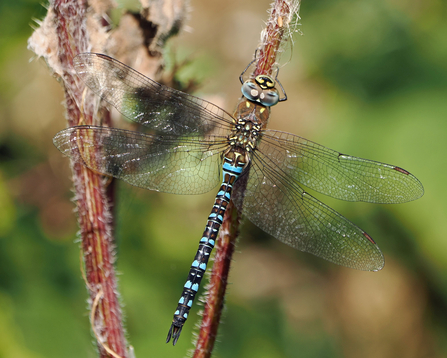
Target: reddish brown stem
217, 286
69, 28
93, 198
280, 17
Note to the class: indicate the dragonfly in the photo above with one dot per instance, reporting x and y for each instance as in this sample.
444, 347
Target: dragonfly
190, 146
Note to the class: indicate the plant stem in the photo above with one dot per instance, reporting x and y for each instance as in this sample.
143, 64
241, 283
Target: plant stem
277, 32
217, 286
93, 196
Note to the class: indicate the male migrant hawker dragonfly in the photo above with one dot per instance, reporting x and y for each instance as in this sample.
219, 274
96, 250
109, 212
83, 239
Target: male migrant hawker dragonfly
192, 145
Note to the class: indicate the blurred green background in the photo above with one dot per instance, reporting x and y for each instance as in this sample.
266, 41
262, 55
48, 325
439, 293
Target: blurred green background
367, 78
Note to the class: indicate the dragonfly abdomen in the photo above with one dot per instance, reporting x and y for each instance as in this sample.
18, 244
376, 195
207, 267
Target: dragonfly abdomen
234, 163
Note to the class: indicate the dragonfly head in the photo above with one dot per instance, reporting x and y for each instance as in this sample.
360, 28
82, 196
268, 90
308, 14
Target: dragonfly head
261, 89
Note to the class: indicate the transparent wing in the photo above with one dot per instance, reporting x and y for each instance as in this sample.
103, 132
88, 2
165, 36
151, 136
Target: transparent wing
276, 204
142, 100
332, 173
179, 165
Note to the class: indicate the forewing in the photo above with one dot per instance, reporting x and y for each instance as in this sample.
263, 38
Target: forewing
332, 173
178, 165
142, 100
277, 205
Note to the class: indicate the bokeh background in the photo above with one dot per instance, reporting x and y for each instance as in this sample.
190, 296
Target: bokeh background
367, 78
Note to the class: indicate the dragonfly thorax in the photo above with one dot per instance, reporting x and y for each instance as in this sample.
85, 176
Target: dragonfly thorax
245, 134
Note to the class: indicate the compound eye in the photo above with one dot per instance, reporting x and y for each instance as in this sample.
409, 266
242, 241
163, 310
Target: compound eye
251, 90
269, 98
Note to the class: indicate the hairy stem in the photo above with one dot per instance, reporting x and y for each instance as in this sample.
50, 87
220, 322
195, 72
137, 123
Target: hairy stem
94, 198
72, 27
276, 33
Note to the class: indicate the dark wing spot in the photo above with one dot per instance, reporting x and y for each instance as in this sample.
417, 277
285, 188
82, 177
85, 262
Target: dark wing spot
403, 171
369, 238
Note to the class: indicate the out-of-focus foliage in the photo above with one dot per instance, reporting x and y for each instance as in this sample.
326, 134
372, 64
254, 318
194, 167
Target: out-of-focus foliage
368, 78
